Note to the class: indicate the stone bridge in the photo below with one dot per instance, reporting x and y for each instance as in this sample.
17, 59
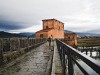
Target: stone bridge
37, 58
38, 61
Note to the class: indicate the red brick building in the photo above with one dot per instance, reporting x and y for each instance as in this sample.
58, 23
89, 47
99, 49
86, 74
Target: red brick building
71, 39
55, 29
51, 28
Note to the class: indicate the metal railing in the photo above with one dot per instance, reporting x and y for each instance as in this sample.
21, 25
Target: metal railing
69, 54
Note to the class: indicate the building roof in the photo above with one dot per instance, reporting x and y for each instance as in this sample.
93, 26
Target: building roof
44, 30
52, 19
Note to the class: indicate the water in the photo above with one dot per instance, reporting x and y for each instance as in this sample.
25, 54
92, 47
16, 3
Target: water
85, 66
94, 54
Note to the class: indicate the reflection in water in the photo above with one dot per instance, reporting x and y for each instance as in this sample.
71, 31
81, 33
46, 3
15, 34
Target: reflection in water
85, 66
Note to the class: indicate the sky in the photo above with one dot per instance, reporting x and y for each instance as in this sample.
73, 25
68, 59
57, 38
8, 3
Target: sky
26, 15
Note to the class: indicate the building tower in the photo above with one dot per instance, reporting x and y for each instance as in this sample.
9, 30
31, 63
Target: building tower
51, 28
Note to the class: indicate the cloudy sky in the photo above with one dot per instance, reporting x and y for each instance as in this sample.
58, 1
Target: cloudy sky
27, 15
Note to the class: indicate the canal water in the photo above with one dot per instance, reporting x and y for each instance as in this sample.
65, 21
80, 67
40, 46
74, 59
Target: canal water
85, 66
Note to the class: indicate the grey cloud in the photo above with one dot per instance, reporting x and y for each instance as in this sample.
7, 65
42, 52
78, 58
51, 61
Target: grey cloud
10, 26
76, 20
20, 14
7, 23
94, 31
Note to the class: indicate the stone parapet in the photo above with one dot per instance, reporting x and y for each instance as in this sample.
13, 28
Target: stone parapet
56, 65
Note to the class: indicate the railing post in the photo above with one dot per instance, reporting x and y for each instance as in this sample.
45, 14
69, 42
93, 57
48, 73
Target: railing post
1, 51
28, 42
61, 51
18, 44
70, 64
63, 60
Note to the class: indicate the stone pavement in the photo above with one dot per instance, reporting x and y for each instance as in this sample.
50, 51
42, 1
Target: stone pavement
34, 62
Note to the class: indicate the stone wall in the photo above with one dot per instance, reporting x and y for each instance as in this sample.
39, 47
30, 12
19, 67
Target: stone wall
45, 34
71, 39
11, 48
49, 23
55, 34
51, 28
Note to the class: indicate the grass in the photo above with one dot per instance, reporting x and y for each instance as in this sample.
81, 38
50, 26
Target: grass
86, 44
89, 42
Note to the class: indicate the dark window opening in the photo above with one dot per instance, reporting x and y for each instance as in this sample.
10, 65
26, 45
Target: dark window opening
46, 27
41, 35
68, 37
59, 27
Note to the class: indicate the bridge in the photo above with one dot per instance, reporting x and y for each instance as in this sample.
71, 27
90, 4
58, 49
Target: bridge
29, 56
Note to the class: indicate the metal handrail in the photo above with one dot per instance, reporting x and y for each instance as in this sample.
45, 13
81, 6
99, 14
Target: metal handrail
71, 52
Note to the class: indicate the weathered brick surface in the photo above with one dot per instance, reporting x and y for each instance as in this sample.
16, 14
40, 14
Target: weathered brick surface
55, 29
71, 39
51, 28
32, 63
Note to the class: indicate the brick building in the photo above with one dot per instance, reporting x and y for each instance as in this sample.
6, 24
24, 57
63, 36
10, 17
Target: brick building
71, 39
51, 28
55, 29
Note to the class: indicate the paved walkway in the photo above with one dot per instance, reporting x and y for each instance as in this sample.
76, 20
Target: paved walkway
34, 62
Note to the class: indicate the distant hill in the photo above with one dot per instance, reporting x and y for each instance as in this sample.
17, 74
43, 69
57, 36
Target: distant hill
9, 35
80, 34
87, 34
27, 34
67, 31
30, 34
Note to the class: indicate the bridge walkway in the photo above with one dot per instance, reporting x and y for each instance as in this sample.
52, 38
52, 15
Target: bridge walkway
35, 62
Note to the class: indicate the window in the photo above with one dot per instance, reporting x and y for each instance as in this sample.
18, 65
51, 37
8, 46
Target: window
59, 27
41, 35
73, 37
46, 27
68, 37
